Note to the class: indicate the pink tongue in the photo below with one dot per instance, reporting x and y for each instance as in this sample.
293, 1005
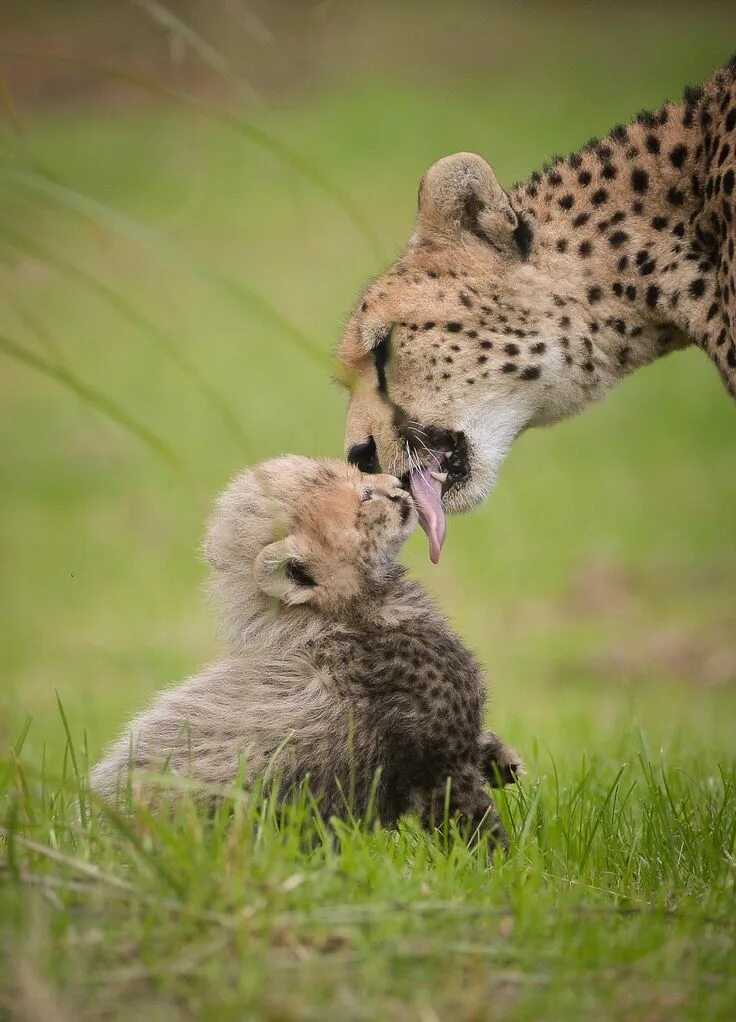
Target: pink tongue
427, 494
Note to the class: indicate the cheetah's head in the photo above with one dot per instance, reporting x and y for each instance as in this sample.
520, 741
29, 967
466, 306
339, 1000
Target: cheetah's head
307, 532
452, 353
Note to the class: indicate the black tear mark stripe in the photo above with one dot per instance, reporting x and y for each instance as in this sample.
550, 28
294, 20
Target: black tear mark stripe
381, 354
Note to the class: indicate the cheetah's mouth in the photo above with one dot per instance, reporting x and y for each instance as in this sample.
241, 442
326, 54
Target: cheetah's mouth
442, 474
426, 489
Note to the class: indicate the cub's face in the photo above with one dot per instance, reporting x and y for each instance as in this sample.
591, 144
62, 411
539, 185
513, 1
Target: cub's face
306, 531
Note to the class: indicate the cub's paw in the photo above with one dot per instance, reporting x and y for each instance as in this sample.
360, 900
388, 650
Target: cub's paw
501, 763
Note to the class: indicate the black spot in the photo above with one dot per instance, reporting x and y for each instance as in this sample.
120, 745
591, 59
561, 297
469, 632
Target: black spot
623, 355
618, 217
678, 155
731, 119
617, 288
482, 359
692, 94
659, 223
508, 367
599, 197
585, 248
580, 219
679, 230
561, 245
594, 294
728, 182
567, 201
486, 344
648, 267
539, 348
530, 373
564, 321
523, 236
696, 288
622, 263
652, 144
584, 177
511, 349
619, 133
588, 367
631, 292
472, 334
609, 172
466, 300
618, 238
647, 118
639, 180
712, 311
652, 296
430, 324
638, 207
454, 327
675, 197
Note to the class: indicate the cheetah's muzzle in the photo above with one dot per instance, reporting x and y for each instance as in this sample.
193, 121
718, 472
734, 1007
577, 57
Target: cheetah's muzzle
443, 461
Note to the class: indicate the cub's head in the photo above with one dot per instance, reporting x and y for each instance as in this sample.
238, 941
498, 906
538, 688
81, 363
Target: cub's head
305, 531
454, 351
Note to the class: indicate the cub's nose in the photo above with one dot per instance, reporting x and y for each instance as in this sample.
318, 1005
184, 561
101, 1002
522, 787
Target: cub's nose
365, 456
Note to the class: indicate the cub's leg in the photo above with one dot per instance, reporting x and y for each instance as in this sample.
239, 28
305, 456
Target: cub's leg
501, 764
470, 803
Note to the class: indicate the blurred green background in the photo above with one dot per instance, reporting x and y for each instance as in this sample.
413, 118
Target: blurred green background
173, 246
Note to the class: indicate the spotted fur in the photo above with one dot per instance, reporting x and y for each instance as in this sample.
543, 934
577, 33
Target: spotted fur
336, 666
511, 310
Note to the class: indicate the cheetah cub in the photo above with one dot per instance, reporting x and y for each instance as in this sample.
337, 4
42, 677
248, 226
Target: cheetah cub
335, 665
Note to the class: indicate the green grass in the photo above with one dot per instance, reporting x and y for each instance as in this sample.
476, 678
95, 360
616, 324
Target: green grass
170, 286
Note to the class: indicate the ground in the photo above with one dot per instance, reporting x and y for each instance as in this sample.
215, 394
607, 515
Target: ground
597, 585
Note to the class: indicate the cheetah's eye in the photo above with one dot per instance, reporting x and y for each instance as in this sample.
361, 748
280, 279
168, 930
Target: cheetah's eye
366, 494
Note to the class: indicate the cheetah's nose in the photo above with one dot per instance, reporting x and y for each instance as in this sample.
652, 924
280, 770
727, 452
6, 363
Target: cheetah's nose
365, 456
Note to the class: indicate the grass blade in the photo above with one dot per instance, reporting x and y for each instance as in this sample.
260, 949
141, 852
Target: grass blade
295, 161
125, 226
96, 400
147, 327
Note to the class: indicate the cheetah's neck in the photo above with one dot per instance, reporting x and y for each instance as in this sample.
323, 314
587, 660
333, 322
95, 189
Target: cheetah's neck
636, 234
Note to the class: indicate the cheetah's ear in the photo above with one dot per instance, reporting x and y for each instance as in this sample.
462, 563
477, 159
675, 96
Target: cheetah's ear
280, 571
460, 194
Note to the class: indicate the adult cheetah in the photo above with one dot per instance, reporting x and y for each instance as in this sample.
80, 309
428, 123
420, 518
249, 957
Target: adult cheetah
511, 310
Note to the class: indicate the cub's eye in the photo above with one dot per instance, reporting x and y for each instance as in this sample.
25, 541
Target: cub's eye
367, 494
297, 573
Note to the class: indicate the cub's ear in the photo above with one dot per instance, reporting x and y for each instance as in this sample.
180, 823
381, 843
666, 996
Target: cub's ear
280, 571
460, 194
